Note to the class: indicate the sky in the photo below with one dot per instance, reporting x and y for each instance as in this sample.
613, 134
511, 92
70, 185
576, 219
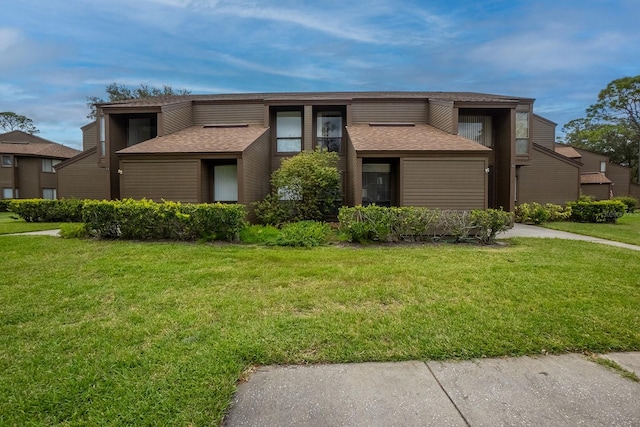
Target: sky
56, 53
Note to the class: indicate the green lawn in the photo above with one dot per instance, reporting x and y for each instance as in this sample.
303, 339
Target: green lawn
9, 224
626, 230
101, 332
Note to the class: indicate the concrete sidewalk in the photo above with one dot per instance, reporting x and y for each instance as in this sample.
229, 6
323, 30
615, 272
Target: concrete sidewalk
55, 233
543, 391
525, 230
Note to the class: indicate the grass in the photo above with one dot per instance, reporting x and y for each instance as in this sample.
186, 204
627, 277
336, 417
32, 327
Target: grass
9, 224
100, 332
626, 230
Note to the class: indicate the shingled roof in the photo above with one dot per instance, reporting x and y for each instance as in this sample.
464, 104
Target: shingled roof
409, 137
568, 151
594, 178
200, 139
23, 144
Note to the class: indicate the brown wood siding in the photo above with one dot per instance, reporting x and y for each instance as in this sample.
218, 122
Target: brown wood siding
354, 176
90, 136
634, 190
252, 113
591, 161
6, 177
83, 179
367, 112
28, 181
307, 128
543, 132
598, 191
176, 119
547, 180
116, 140
441, 116
256, 173
504, 172
621, 178
444, 183
176, 180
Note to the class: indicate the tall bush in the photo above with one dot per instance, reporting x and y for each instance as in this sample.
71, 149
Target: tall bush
45, 210
597, 211
305, 187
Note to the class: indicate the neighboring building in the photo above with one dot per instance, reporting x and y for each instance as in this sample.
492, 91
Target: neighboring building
598, 176
28, 166
434, 149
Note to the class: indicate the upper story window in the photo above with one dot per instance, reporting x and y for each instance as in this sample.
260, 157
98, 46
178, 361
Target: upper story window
49, 193
141, 129
603, 167
522, 133
103, 136
7, 161
329, 130
48, 165
288, 131
477, 128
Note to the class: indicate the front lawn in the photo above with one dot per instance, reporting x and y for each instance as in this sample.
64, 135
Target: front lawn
626, 230
104, 332
9, 224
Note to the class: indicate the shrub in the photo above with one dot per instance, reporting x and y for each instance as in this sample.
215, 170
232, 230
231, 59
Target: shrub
305, 187
145, 219
535, 213
73, 231
45, 210
490, 222
303, 234
630, 202
259, 234
4, 205
597, 211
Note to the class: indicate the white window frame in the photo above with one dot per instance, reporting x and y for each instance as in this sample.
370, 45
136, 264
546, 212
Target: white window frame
48, 165
53, 193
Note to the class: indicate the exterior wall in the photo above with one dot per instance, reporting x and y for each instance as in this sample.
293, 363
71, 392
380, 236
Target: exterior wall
83, 179
90, 136
176, 118
543, 132
504, 172
451, 183
599, 191
8, 176
634, 190
254, 173
441, 115
116, 141
29, 175
591, 161
250, 113
367, 112
547, 179
354, 176
176, 180
621, 177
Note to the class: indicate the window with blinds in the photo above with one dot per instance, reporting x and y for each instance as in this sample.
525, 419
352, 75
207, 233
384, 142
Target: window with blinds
477, 128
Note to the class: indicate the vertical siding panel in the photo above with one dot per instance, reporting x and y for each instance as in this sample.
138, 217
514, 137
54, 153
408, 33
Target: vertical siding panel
441, 116
366, 112
83, 179
444, 183
307, 128
543, 132
175, 180
250, 113
354, 176
89, 136
256, 171
176, 119
547, 180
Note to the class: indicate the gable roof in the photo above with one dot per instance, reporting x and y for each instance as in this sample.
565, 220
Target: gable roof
200, 139
594, 178
23, 144
409, 137
567, 151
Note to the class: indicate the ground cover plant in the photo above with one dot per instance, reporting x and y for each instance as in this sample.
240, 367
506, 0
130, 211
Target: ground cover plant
10, 223
625, 230
115, 332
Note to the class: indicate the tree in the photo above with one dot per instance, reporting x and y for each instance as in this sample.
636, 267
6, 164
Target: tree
612, 125
305, 187
119, 92
10, 121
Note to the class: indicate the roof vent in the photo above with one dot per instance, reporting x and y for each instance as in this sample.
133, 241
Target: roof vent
226, 125
396, 124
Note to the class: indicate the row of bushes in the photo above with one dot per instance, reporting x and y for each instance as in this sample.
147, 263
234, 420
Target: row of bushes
139, 219
583, 210
396, 224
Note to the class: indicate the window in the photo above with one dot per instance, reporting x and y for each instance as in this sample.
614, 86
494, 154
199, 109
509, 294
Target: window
7, 161
140, 129
329, 131
376, 184
48, 164
103, 137
603, 167
225, 183
522, 133
476, 128
288, 131
7, 193
49, 193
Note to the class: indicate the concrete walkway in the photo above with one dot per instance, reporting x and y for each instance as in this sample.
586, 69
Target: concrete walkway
524, 230
55, 233
561, 390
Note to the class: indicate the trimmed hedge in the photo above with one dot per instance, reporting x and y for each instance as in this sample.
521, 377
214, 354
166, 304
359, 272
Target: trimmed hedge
630, 202
597, 211
535, 213
4, 205
396, 224
45, 210
146, 220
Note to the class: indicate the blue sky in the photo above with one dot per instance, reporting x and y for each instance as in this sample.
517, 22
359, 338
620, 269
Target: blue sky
55, 53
